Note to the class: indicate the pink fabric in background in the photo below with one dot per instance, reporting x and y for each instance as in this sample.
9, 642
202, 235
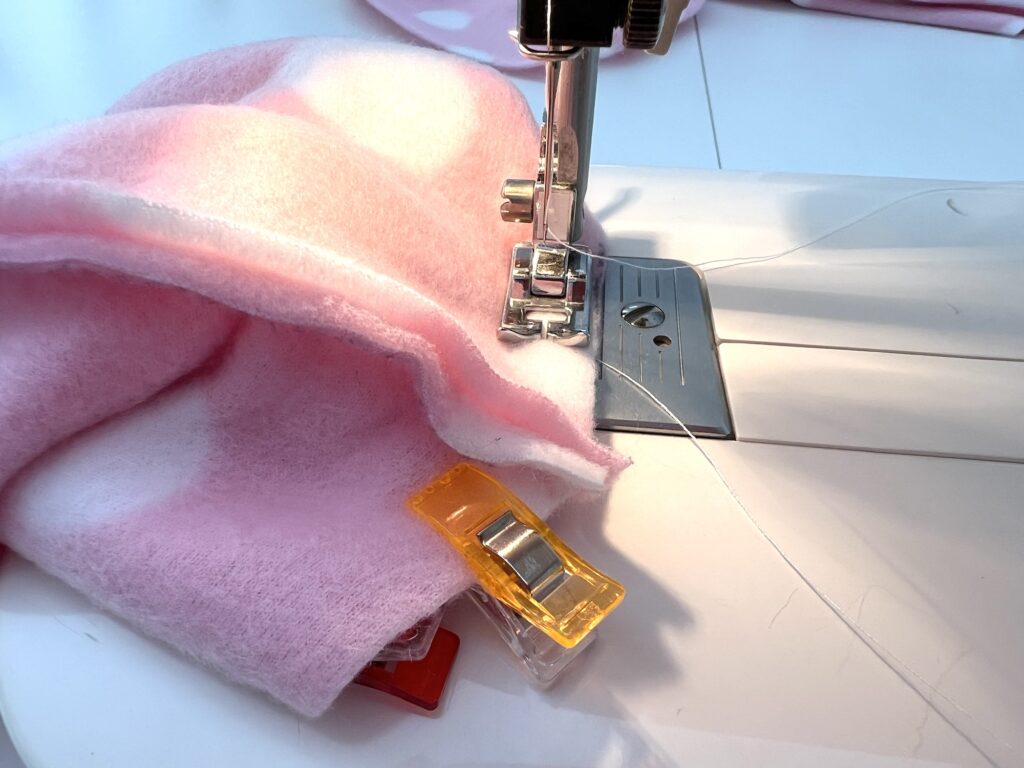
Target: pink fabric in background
242, 317
476, 29
1000, 17
481, 30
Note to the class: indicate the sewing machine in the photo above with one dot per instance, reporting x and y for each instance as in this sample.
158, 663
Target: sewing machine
853, 364
643, 314
550, 286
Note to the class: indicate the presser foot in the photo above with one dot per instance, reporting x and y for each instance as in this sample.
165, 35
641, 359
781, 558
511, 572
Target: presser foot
548, 294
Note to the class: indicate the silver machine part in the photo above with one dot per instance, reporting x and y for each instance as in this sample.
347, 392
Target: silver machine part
652, 317
548, 295
656, 329
524, 552
571, 121
564, 163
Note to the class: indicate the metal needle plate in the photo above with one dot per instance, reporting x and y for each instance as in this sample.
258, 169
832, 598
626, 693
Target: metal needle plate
656, 328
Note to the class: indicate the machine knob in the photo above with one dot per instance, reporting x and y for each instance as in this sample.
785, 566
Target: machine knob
518, 205
642, 25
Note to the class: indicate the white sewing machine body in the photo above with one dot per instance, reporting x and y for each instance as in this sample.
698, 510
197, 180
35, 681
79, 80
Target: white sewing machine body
875, 377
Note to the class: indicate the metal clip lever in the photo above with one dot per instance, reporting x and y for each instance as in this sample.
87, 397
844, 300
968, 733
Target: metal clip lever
534, 563
547, 294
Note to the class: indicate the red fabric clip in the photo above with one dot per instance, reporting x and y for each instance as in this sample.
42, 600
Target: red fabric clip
418, 682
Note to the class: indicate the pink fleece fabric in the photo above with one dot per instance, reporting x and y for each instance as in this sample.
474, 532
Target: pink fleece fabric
999, 17
476, 29
242, 317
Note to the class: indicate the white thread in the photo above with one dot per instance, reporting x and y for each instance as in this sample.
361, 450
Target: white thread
886, 656
550, 88
738, 261
741, 260
550, 84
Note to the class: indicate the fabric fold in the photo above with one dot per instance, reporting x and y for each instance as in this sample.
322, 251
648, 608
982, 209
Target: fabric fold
242, 317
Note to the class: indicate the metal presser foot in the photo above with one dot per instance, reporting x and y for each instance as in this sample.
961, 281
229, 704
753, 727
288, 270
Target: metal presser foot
651, 318
548, 292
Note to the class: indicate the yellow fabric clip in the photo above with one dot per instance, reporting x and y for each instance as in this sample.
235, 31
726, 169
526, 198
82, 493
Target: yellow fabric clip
515, 556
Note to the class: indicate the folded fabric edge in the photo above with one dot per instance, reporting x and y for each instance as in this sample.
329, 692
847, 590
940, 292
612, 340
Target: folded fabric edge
478, 384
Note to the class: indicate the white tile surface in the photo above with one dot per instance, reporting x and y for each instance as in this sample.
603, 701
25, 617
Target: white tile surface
8, 755
792, 89
64, 60
875, 401
808, 91
651, 110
